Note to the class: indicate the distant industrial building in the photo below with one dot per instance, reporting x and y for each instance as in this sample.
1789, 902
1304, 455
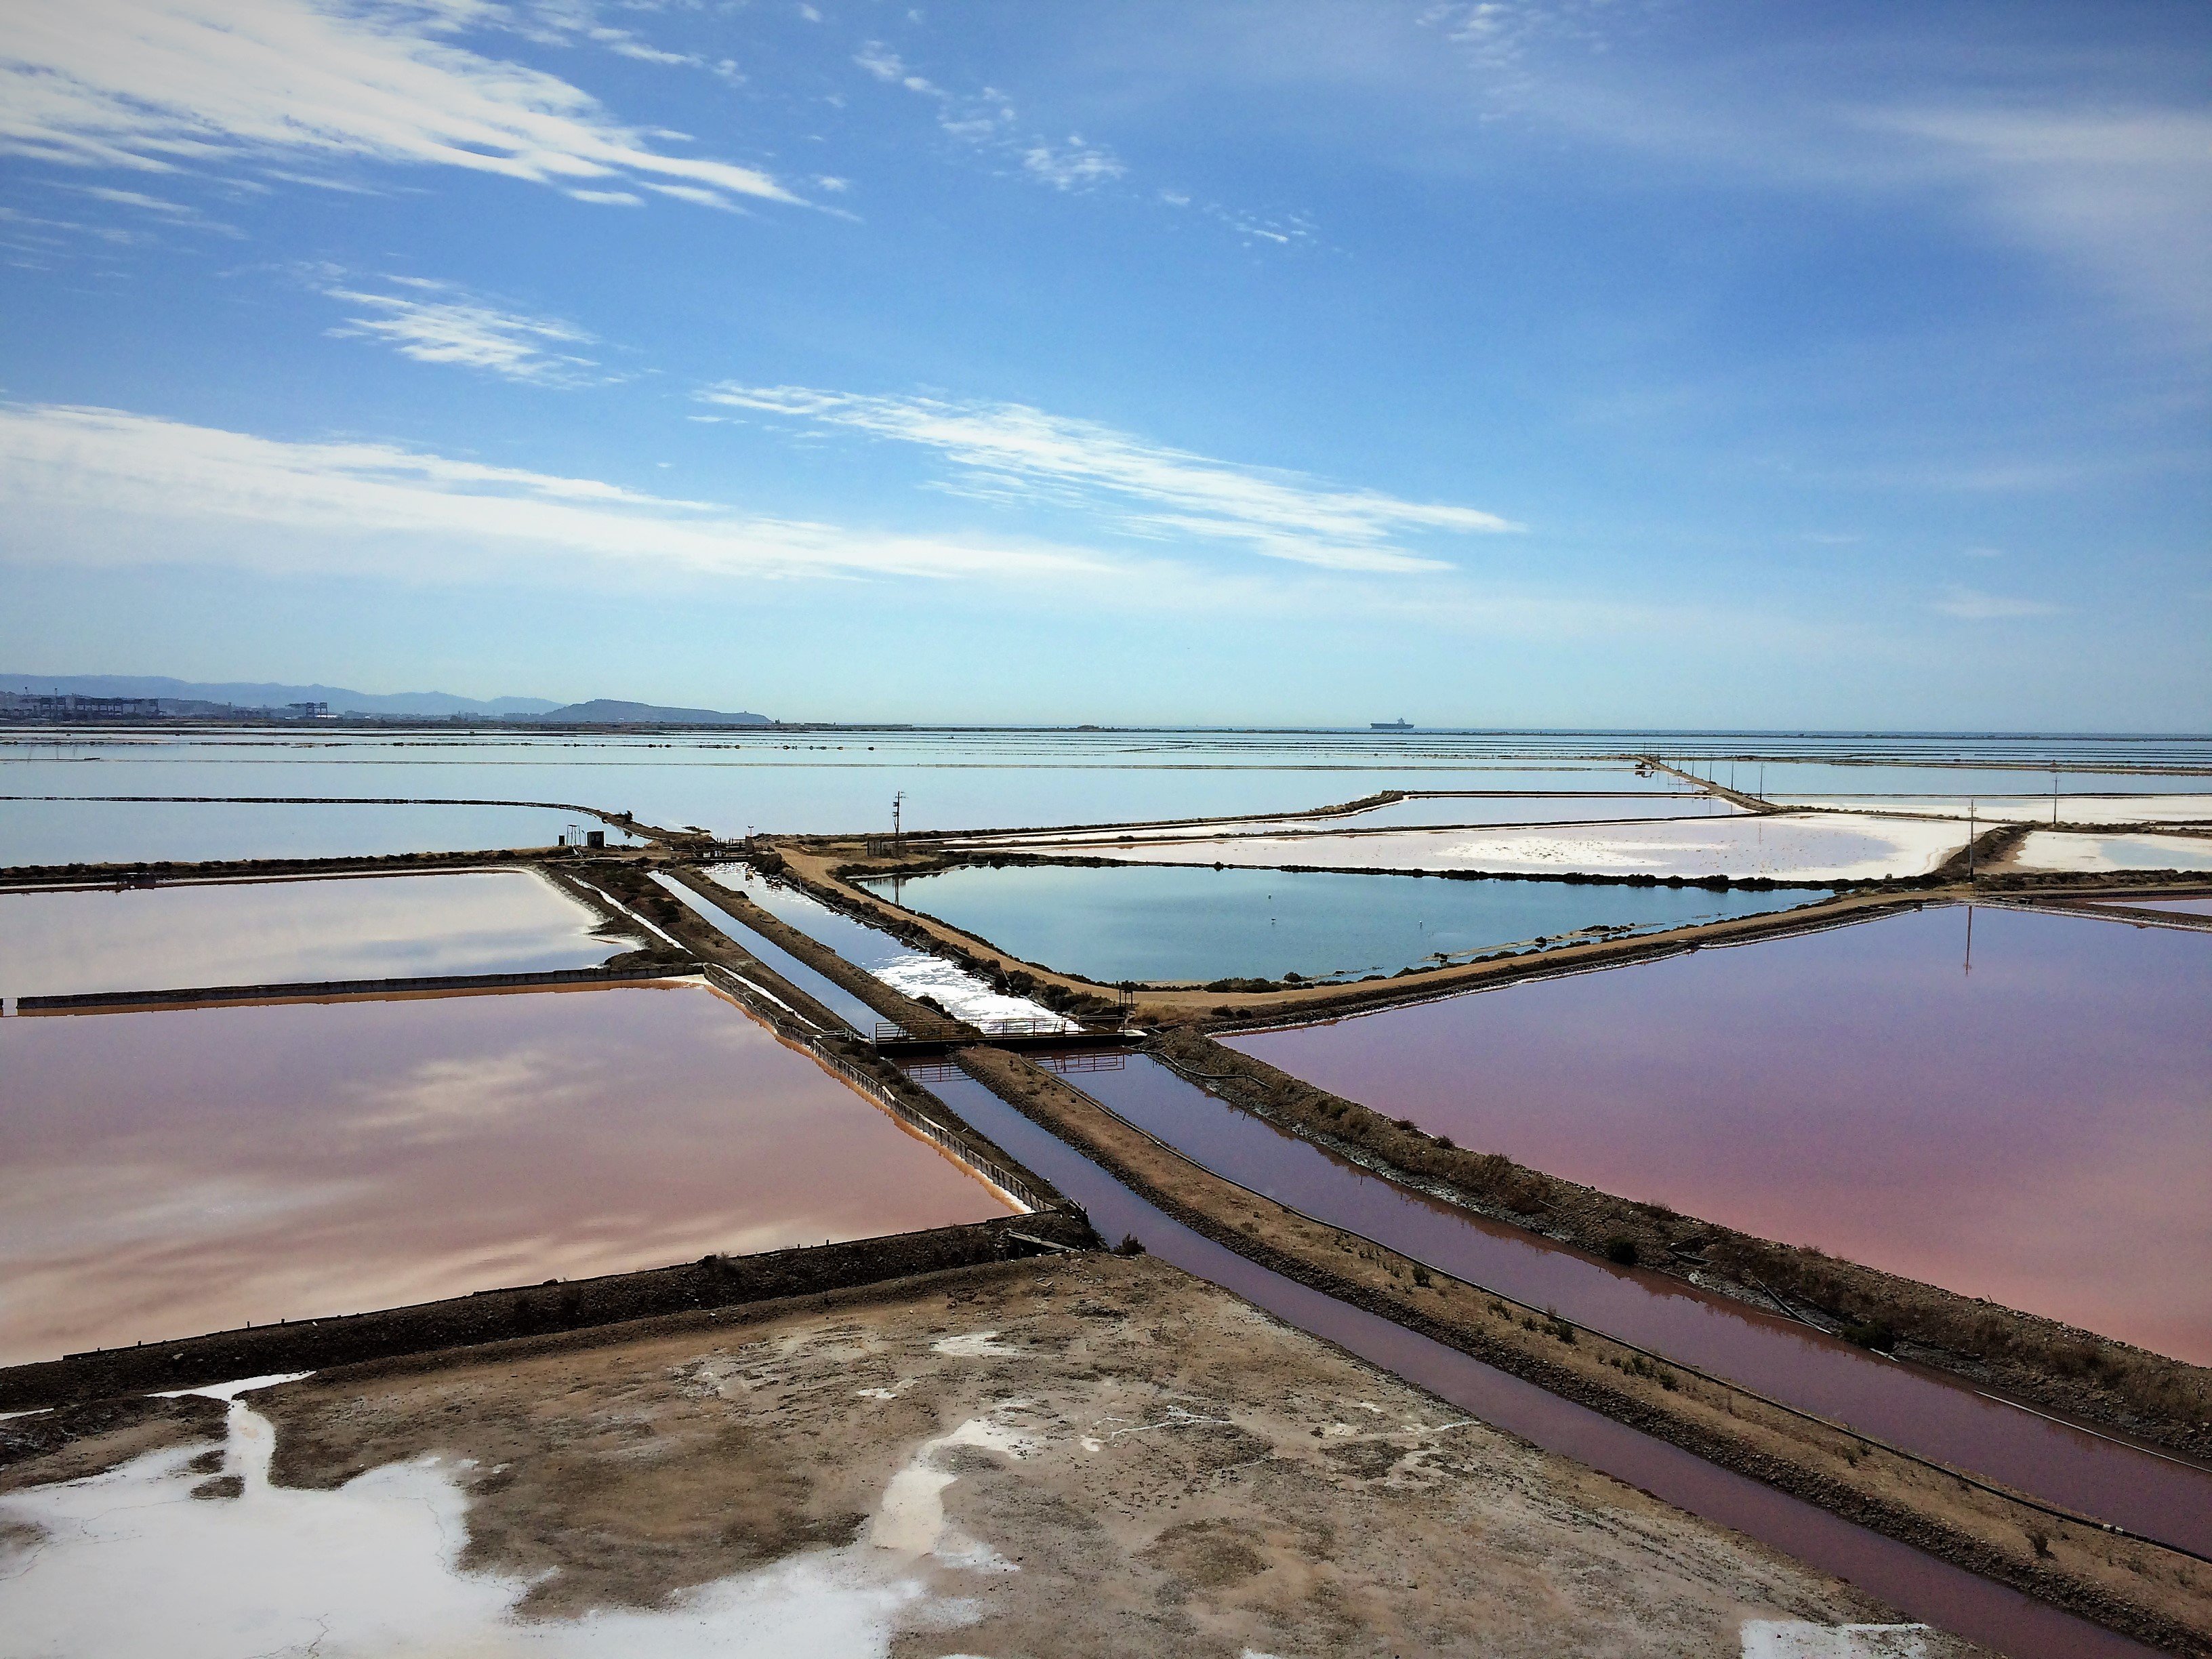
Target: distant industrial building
68, 706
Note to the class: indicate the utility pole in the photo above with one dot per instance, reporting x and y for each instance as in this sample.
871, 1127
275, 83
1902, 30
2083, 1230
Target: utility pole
1970, 849
898, 802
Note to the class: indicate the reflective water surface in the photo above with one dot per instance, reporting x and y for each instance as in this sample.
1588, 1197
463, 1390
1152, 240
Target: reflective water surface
1918, 1585
478, 922
2031, 1123
168, 1173
913, 973
793, 782
1174, 922
35, 832
2193, 907
1924, 1412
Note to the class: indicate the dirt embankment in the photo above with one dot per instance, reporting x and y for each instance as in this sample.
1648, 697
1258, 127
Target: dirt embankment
822, 872
2153, 1595
1175, 1476
892, 1004
2068, 1369
714, 1281
827, 869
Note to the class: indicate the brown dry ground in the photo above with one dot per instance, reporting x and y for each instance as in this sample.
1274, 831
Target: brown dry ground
2154, 1594
1204, 1480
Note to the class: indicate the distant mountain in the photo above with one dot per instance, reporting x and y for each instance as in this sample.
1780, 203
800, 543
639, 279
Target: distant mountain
606, 711
249, 695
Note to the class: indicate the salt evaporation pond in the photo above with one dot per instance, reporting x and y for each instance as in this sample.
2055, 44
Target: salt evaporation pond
2032, 1125
794, 782
1745, 846
912, 973
67, 941
2081, 854
85, 831
168, 1173
2191, 907
1927, 1412
1417, 811
1173, 923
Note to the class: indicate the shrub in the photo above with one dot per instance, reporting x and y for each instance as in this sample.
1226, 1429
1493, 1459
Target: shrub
1621, 1250
1130, 1245
1871, 1334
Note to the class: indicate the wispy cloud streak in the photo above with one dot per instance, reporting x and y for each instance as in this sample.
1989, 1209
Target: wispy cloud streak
1971, 605
437, 322
66, 471
158, 85
1013, 450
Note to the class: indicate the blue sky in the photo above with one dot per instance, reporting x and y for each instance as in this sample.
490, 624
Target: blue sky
1498, 363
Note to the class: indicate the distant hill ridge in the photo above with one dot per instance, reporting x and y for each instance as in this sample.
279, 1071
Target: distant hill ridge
607, 711
200, 697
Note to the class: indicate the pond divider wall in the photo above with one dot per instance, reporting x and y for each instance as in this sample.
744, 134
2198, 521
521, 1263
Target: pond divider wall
713, 1281
307, 990
1052, 1224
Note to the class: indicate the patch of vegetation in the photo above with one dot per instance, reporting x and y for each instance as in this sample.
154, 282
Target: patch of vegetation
1871, 1334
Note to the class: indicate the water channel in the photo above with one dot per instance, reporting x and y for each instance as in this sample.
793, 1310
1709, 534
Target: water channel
1918, 1585
2022, 1112
1927, 1412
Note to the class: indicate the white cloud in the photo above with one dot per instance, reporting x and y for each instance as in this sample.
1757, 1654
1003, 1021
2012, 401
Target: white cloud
1013, 450
157, 85
2123, 195
880, 61
1074, 166
442, 323
1987, 125
97, 486
1971, 605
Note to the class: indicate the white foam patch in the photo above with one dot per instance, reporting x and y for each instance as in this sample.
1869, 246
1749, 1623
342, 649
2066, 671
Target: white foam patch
372, 1569
911, 1519
960, 994
1790, 1639
976, 1345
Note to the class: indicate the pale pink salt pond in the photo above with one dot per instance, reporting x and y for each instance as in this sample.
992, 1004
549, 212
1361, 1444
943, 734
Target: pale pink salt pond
2037, 1131
58, 942
168, 1173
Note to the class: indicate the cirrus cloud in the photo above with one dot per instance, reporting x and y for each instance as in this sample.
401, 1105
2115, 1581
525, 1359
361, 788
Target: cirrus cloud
103, 486
1011, 450
155, 86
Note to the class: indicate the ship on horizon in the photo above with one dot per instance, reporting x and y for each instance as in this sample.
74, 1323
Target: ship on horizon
1401, 724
